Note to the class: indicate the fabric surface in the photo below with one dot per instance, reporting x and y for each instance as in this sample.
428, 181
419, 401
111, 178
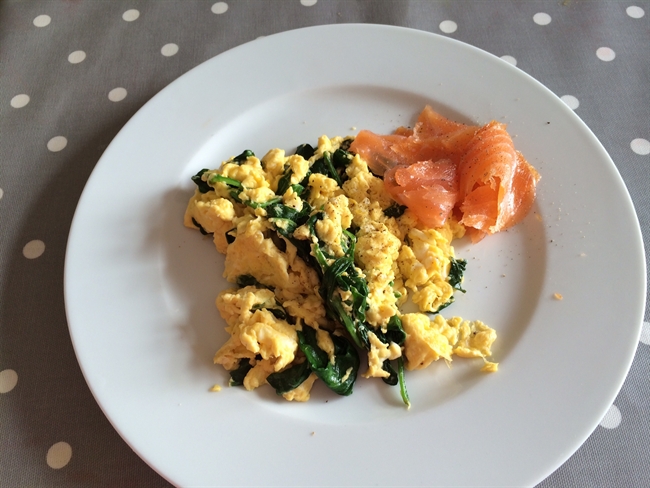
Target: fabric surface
72, 73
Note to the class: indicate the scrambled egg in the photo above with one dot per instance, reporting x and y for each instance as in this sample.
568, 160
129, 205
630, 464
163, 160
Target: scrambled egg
322, 259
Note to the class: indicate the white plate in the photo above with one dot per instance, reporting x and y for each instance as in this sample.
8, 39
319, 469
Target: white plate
140, 287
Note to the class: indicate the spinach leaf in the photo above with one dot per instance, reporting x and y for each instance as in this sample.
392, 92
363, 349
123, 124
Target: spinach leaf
341, 160
392, 379
444, 305
289, 379
325, 166
243, 156
345, 144
402, 382
231, 182
200, 227
341, 274
229, 237
456, 271
340, 375
394, 332
277, 310
305, 150
203, 185
237, 375
287, 219
249, 280
285, 181
395, 210
396, 377
266, 204
358, 330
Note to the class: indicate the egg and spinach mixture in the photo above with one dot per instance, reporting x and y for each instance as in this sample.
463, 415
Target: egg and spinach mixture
321, 259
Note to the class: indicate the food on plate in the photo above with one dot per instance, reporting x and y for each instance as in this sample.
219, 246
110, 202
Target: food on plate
440, 167
323, 254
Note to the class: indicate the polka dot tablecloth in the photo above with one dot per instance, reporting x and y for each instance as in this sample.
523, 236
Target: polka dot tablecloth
72, 73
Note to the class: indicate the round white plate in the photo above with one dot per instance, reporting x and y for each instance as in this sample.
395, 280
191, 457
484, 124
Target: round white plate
140, 287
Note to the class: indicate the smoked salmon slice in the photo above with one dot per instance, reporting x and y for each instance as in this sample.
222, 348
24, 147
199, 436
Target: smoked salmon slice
497, 185
431, 124
377, 151
486, 172
428, 188
440, 167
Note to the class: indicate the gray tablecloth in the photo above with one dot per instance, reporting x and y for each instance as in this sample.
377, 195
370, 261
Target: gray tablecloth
72, 73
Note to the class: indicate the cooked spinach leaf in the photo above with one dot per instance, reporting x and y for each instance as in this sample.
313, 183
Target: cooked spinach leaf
325, 166
339, 375
395, 210
305, 150
249, 280
289, 379
243, 156
234, 194
456, 271
266, 204
280, 211
285, 181
402, 382
231, 182
277, 310
229, 237
341, 158
394, 332
200, 227
444, 305
345, 144
237, 375
392, 379
202, 185
341, 274
286, 219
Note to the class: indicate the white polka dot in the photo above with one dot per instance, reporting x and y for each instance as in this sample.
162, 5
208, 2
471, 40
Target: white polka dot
57, 143
59, 455
509, 59
540, 18
635, 12
77, 57
448, 26
19, 101
42, 20
605, 54
8, 380
645, 333
34, 249
571, 101
131, 15
640, 146
117, 94
612, 418
308, 3
219, 8
169, 49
